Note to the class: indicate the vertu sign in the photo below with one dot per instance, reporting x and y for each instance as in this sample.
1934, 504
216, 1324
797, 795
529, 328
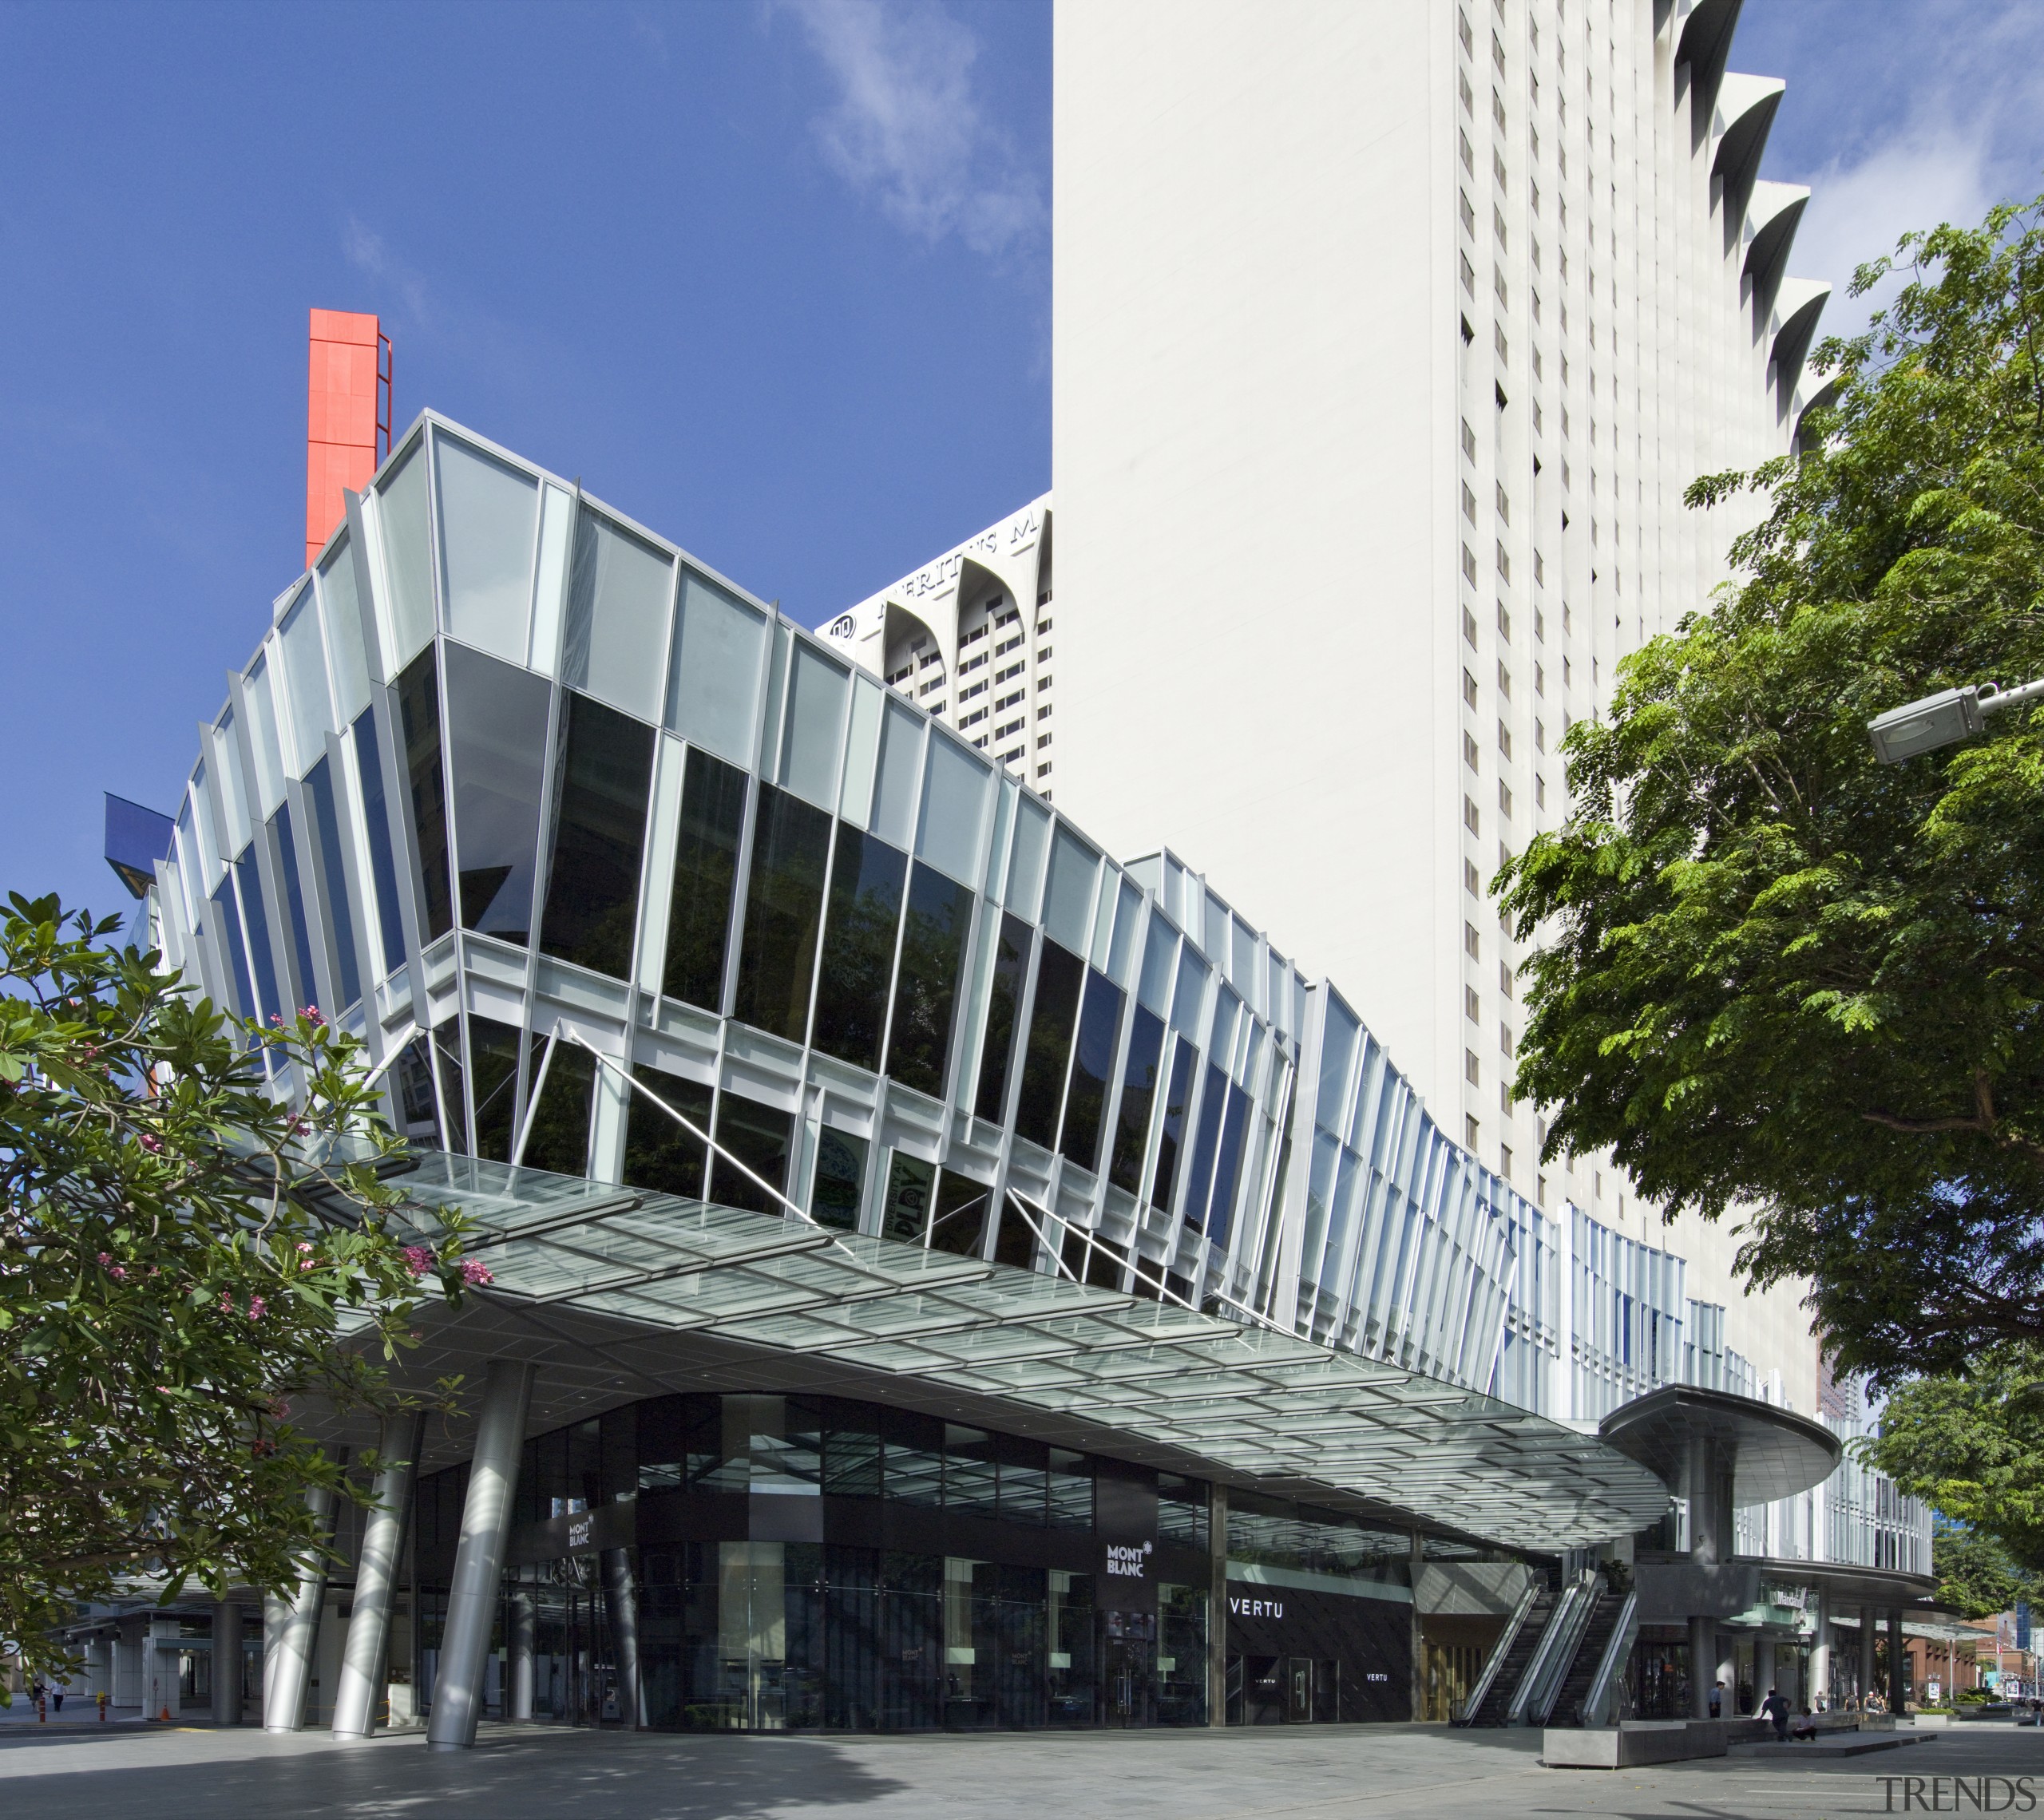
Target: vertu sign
1255, 1608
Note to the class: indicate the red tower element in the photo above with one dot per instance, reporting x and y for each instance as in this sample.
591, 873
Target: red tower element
347, 417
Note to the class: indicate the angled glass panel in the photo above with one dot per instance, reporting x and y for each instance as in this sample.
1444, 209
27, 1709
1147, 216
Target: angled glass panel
1138, 1098
1060, 974
705, 878
783, 906
249, 877
1178, 1102
407, 560
603, 781
1213, 1103
926, 989
559, 1139
1025, 877
1068, 907
958, 1215
305, 673
836, 1197
340, 913
760, 1136
1004, 1002
713, 684
1189, 1000
1227, 1167
866, 880
262, 736
237, 950
1127, 915
496, 715
383, 850
494, 1074
489, 520
1159, 950
901, 760
619, 593
812, 734
955, 791
1092, 1065
1337, 1048
659, 1152
301, 931
346, 652
862, 751
418, 701
234, 792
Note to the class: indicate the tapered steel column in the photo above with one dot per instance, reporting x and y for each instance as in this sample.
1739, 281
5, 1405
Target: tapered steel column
290, 1643
1898, 1664
226, 1665
523, 1640
376, 1577
1703, 1667
1820, 1655
621, 1594
1868, 1618
458, 1687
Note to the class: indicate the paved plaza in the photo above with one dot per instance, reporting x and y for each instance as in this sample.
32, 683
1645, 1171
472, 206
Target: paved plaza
1323, 1773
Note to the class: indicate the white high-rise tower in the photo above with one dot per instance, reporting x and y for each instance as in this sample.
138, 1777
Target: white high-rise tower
1387, 334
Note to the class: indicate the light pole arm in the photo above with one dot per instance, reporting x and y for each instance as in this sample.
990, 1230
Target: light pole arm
1943, 719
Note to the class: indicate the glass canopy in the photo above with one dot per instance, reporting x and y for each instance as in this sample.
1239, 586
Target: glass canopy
1248, 1400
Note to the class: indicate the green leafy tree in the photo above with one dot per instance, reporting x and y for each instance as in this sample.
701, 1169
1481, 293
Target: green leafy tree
191, 1221
1973, 1447
1975, 1576
1776, 976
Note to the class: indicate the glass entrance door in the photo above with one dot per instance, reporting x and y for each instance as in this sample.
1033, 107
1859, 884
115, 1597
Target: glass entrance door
1128, 1661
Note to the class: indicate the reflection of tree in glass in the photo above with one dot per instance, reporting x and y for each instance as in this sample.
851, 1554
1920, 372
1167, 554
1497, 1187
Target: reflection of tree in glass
933, 949
599, 824
705, 873
559, 1140
858, 948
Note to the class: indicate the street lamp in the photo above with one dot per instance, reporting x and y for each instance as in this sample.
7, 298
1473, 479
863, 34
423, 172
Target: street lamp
1943, 719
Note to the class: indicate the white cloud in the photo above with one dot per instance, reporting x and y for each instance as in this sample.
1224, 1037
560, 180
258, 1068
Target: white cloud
909, 131
366, 250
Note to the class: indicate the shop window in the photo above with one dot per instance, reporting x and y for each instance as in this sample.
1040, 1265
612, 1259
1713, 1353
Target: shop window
659, 1153
488, 521
760, 1136
1060, 974
618, 595
1182, 1511
1004, 1001
926, 986
1138, 1098
1177, 1102
784, 902
713, 681
911, 1185
604, 772
866, 878
972, 1476
705, 877
418, 702
1092, 1066
496, 717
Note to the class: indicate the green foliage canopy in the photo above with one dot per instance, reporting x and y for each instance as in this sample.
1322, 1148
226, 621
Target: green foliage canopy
1773, 975
164, 1300
1975, 1576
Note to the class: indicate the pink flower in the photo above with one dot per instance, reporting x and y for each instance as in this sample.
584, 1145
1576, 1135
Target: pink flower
119, 1273
227, 1303
277, 1017
305, 1260
475, 1271
256, 1306
418, 1260
106, 1257
151, 1142
311, 1014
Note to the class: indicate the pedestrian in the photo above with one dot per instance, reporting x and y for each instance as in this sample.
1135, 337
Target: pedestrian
57, 1700
1718, 1699
1776, 1708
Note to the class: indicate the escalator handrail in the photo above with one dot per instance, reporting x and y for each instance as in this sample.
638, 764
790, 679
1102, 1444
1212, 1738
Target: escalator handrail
1494, 1665
1551, 1662
1596, 1703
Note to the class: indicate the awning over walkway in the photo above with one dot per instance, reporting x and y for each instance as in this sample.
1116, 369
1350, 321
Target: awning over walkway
643, 1265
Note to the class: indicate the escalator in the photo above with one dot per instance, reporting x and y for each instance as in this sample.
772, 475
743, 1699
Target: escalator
1607, 1618
1510, 1657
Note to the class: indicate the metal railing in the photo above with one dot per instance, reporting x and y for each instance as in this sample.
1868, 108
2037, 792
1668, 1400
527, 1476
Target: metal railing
1494, 1665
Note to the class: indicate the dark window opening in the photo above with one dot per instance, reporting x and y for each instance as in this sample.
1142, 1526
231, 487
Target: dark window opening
705, 877
1138, 1098
319, 784
419, 700
834, 1200
1060, 974
559, 1137
496, 716
382, 855
926, 990
959, 1214
1177, 1101
659, 1153
249, 877
603, 775
866, 877
784, 902
1213, 1102
1092, 1066
301, 931
760, 1136
1004, 1002
494, 1073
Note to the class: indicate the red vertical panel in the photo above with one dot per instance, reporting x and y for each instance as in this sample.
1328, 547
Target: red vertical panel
340, 418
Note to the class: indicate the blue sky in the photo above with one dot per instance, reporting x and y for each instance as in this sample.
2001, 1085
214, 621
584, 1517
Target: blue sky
771, 274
